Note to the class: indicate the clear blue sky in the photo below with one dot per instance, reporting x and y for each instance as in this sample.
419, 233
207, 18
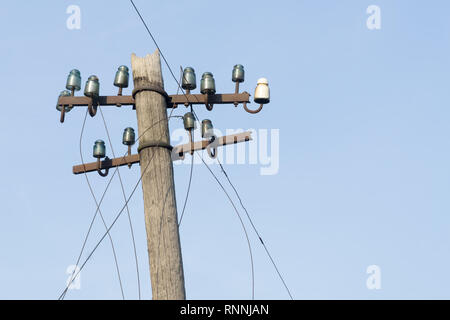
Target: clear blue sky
364, 128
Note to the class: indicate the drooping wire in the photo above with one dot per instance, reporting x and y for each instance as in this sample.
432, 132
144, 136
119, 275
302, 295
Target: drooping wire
256, 230
128, 211
93, 219
105, 234
100, 212
188, 190
179, 86
156, 44
120, 212
91, 224
240, 219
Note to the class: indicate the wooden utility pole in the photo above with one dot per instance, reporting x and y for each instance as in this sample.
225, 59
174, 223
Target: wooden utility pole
161, 220
155, 153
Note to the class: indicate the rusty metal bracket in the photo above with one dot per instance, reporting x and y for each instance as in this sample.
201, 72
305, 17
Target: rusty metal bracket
92, 107
103, 174
209, 106
252, 111
213, 99
99, 169
82, 101
172, 101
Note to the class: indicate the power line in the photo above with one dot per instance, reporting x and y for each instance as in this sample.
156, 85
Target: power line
93, 219
120, 212
128, 211
188, 189
101, 215
237, 212
164, 58
156, 44
179, 87
104, 193
242, 224
103, 237
142, 133
256, 231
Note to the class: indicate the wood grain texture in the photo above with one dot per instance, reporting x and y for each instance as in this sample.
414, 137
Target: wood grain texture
161, 221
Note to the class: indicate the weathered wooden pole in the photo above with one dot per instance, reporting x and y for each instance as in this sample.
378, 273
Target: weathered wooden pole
161, 221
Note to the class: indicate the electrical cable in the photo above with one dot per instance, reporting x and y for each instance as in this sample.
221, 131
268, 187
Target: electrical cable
101, 215
157, 46
120, 212
92, 223
103, 195
179, 87
164, 58
242, 224
188, 190
128, 211
256, 231
107, 231
162, 220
